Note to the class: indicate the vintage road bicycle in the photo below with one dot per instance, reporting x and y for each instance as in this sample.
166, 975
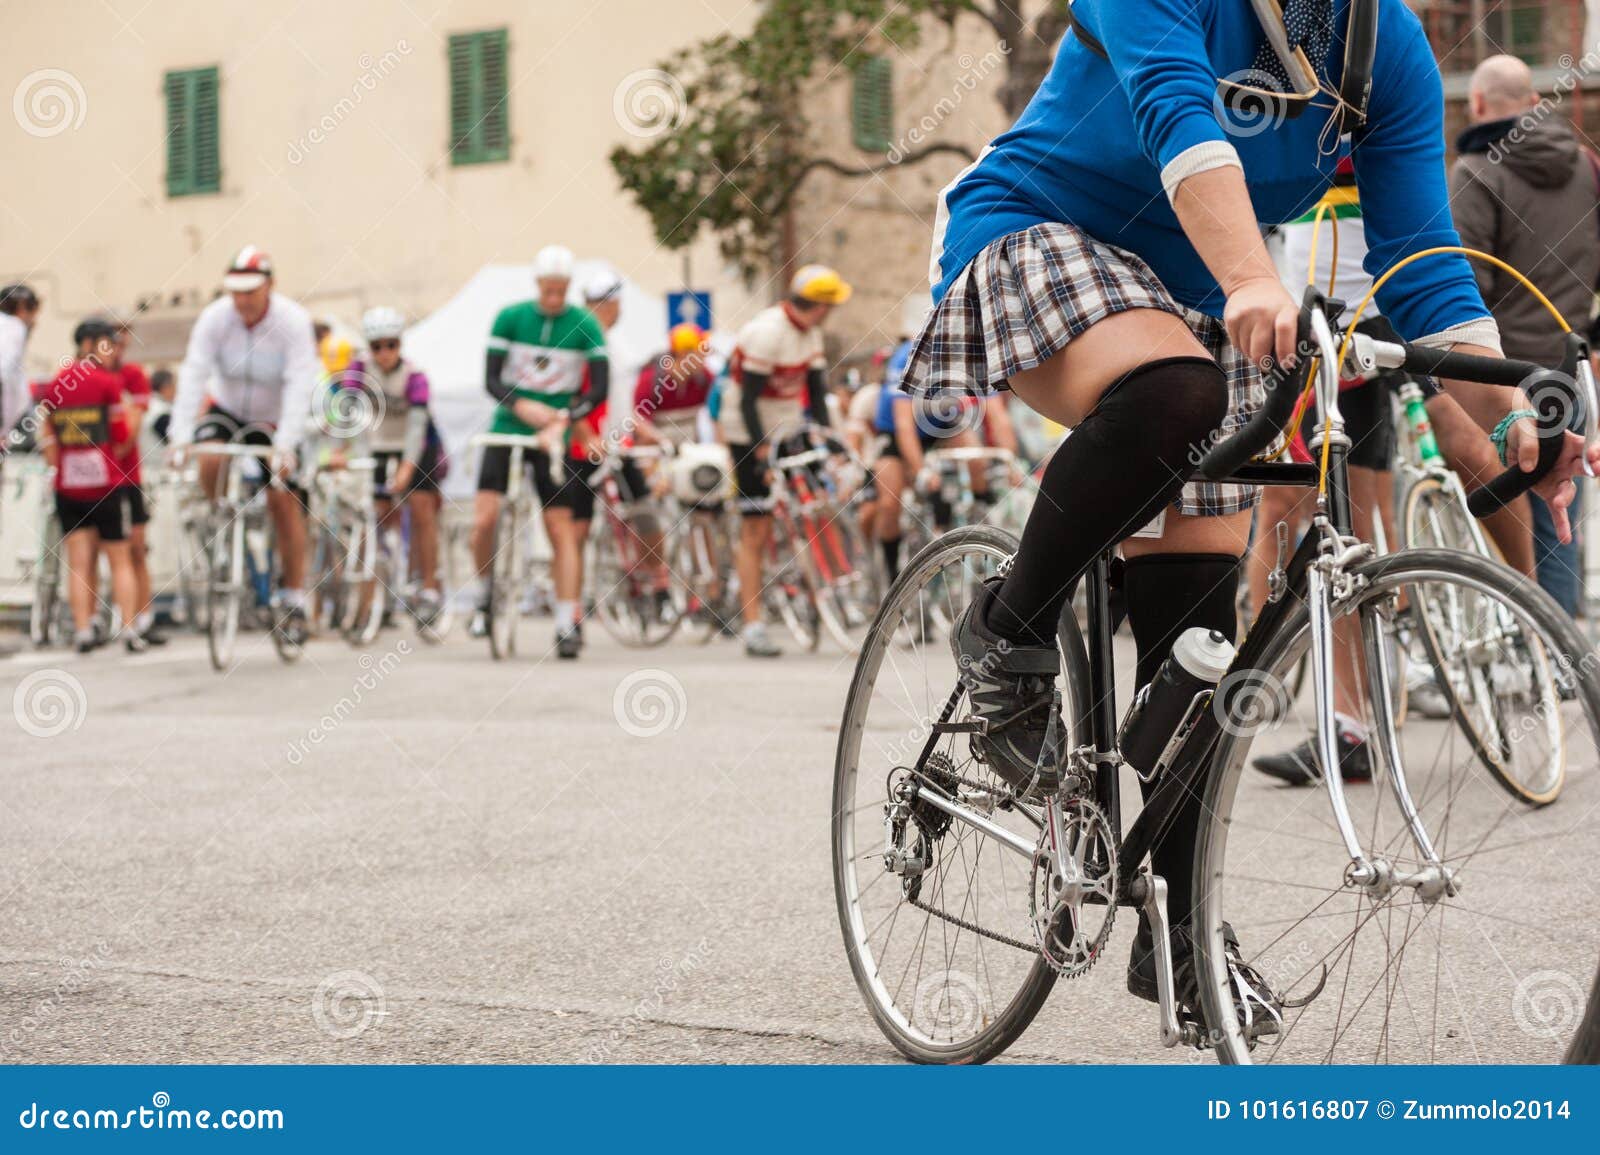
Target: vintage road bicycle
1418, 918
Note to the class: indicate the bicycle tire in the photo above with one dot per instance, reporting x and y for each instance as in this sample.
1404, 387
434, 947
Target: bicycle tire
1424, 491
1380, 578
503, 586
621, 608
791, 590
224, 591
999, 1032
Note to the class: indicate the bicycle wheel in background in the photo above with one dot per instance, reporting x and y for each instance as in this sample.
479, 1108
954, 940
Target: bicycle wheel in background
846, 582
1491, 963
937, 918
504, 583
791, 593
47, 617
626, 597
1486, 666
226, 589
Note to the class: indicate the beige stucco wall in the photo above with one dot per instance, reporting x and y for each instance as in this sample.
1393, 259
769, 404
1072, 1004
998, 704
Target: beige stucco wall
372, 212
878, 230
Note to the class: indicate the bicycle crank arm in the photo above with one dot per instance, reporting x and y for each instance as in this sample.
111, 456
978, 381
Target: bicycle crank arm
1151, 891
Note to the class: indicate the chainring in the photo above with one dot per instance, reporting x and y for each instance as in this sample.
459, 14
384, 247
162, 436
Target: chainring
1072, 920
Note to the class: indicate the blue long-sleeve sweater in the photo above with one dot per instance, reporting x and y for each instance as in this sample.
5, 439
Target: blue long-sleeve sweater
1105, 141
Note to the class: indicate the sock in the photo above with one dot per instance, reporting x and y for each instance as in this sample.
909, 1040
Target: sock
566, 616
1123, 464
1353, 729
87, 635
291, 598
1167, 594
891, 558
755, 629
143, 622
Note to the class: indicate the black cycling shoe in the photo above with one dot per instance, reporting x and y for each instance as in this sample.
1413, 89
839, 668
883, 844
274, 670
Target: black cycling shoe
569, 643
1302, 766
1258, 1008
154, 637
1013, 689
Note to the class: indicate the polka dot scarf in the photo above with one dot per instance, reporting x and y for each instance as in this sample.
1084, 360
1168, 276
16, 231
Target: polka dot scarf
1310, 26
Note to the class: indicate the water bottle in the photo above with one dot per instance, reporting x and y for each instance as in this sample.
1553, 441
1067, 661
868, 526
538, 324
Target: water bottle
1195, 666
1417, 418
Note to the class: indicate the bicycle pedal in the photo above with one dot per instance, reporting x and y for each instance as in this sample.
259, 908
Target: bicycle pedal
967, 726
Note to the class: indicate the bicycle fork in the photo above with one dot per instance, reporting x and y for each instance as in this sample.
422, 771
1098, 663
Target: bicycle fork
1378, 875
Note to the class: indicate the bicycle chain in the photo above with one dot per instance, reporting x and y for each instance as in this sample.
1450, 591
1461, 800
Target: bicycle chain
1030, 948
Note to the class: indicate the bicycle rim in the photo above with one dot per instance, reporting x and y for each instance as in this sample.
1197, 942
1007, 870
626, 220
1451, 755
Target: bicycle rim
503, 585
1497, 971
225, 588
1480, 661
940, 992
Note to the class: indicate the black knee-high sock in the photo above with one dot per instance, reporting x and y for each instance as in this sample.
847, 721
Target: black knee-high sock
891, 558
1167, 594
1123, 464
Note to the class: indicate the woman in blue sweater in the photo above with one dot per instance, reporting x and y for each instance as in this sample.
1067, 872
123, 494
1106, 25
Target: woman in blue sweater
1103, 259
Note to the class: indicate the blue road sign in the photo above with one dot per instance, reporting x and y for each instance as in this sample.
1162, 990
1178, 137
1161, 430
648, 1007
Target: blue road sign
693, 307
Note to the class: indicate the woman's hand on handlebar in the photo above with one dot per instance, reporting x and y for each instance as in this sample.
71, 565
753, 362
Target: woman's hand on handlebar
1263, 321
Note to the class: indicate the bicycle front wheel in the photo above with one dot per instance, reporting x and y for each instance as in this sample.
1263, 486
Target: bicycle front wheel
225, 588
505, 584
1482, 952
935, 914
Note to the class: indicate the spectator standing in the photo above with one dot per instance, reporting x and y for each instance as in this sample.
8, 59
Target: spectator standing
1524, 190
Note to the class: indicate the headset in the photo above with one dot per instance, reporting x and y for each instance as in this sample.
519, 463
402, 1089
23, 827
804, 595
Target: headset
1355, 84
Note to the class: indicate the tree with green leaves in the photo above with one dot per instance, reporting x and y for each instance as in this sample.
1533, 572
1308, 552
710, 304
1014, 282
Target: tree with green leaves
728, 124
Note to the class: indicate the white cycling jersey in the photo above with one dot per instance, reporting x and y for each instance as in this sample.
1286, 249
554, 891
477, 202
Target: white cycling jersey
264, 375
14, 397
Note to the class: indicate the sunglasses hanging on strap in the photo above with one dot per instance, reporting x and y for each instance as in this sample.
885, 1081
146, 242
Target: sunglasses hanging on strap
1288, 82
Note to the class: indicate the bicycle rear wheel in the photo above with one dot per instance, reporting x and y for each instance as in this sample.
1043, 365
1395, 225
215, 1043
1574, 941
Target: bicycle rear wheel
630, 605
935, 915
791, 592
1493, 968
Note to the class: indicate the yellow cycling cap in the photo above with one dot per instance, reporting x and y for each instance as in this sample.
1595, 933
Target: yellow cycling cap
687, 338
820, 285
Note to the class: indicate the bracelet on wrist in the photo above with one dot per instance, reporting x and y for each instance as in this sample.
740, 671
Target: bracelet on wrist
1498, 437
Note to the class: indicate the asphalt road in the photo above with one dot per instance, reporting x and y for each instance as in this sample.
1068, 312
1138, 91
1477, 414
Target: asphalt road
415, 854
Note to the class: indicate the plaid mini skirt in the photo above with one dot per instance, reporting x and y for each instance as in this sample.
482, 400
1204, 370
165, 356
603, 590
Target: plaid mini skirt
1027, 295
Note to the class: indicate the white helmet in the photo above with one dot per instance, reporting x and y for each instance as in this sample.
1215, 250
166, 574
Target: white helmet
603, 286
382, 323
554, 263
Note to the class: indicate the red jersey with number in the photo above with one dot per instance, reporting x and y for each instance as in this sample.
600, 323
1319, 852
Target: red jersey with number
135, 392
83, 404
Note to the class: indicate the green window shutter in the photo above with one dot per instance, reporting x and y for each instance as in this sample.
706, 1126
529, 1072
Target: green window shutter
872, 105
480, 124
194, 151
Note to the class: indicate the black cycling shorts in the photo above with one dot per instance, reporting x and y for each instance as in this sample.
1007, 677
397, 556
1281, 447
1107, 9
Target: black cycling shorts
138, 511
752, 490
217, 424
109, 516
424, 480
573, 492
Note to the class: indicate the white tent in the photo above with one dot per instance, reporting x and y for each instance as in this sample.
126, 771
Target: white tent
449, 345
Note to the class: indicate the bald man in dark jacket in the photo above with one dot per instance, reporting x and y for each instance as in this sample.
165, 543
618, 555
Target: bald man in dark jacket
1524, 190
